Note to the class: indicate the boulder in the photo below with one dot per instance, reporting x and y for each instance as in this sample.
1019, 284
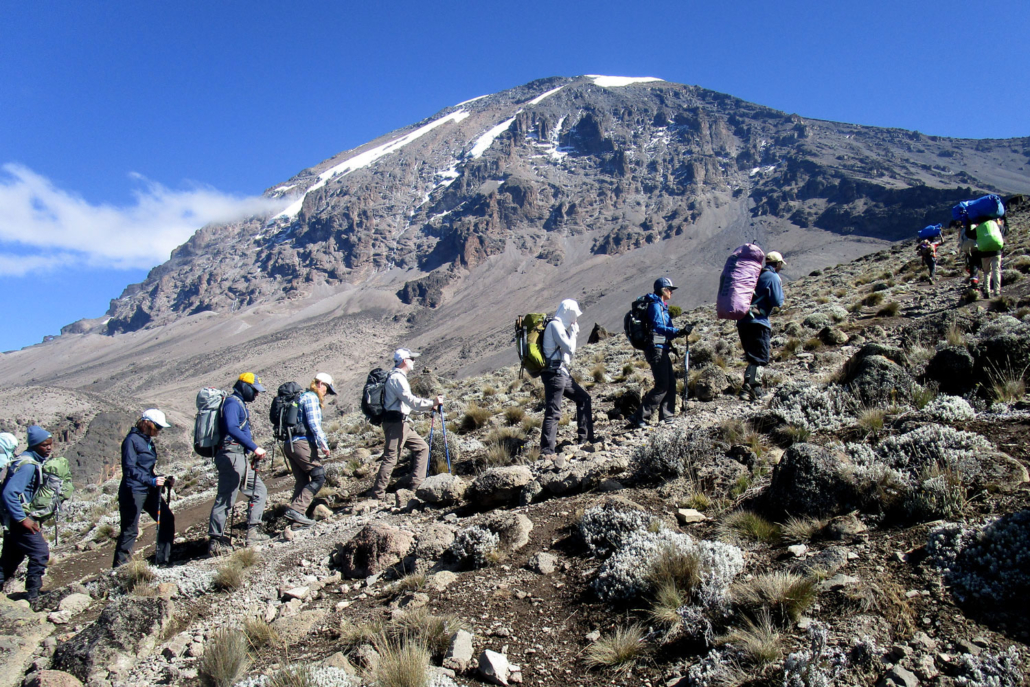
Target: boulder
443, 490
21, 634
952, 368
877, 378
372, 550
1003, 349
499, 486
598, 333
295, 627
494, 667
711, 382
75, 603
812, 480
432, 542
831, 336
126, 631
512, 528
818, 320
52, 678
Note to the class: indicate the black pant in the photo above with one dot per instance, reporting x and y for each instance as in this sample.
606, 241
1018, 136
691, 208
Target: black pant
663, 394
19, 544
557, 385
754, 339
130, 505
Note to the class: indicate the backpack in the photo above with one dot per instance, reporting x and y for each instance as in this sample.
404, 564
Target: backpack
985, 207
284, 413
372, 395
931, 232
738, 281
637, 324
988, 237
54, 480
529, 342
207, 432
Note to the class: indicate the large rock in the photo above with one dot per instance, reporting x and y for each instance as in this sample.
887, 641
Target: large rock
512, 528
21, 633
372, 550
127, 630
499, 486
953, 370
711, 382
75, 603
443, 489
877, 378
1003, 349
812, 480
52, 678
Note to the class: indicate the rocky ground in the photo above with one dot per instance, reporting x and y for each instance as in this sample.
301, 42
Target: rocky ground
866, 522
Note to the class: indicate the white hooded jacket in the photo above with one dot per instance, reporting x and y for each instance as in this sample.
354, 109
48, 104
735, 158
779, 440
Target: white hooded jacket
560, 335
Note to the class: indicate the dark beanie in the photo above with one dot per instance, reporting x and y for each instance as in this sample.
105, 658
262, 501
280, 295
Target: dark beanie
37, 435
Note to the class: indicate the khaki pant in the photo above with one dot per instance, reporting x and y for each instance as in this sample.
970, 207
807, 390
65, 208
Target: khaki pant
400, 435
992, 275
307, 471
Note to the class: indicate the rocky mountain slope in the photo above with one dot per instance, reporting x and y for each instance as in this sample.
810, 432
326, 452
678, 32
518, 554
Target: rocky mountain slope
866, 523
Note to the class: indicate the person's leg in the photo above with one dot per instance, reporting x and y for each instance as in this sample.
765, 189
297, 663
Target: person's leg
297, 467
584, 411
309, 473
228, 484
35, 548
394, 435
11, 556
130, 505
996, 274
653, 397
667, 409
419, 455
255, 491
554, 388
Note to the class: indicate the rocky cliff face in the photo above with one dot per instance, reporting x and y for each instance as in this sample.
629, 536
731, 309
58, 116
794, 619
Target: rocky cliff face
629, 165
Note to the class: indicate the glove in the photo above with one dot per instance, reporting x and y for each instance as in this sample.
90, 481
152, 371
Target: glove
170, 481
574, 329
685, 331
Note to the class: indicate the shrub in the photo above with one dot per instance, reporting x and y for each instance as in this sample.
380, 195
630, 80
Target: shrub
604, 528
619, 650
884, 598
889, 310
225, 658
757, 640
815, 408
784, 594
672, 453
514, 415
476, 545
259, 633
474, 418
946, 408
747, 526
989, 565
675, 311
990, 669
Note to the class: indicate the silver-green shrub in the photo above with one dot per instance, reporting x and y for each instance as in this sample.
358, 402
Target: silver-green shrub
815, 408
474, 545
603, 528
991, 564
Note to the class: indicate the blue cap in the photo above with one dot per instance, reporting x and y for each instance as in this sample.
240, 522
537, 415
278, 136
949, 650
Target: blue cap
663, 283
37, 435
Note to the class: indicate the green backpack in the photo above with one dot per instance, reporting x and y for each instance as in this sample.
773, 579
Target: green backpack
988, 237
55, 486
529, 342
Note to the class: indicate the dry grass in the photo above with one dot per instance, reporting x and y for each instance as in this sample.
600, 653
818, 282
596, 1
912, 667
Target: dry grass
409, 583
431, 631
884, 598
759, 640
598, 373
813, 343
1008, 387
292, 676
785, 595
955, 335
531, 423
136, 573
732, 430
618, 651
747, 526
225, 660
801, 530
105, 532
889, 310
872, 300
474, 418
674, 567
259, 633
668, 599
247, 558
871, 419
229, 576
402, 663
514, 415
352, 635
921, 396
797, 435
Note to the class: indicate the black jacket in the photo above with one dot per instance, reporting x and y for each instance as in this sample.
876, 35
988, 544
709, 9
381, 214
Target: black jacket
138, 459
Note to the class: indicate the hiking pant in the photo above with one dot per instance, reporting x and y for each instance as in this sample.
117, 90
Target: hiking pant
130, 505
931, 264
232, 465
20, 544
307, 471
992, 273
400, 436
754, 339
663, 394
558, 384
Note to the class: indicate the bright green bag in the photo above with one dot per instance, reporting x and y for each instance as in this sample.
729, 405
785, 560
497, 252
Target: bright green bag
988, 237
55, 486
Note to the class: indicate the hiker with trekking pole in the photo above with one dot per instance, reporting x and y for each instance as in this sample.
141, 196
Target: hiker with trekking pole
304, 446
559, 346
661, 334
238, 462
398, 403
141, 490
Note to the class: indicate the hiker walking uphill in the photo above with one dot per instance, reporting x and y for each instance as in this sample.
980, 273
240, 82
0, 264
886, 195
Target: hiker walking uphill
23, 536
558, 346
235, 471
990, 240
928, 252
303, 449
755, 329
663, 394
8, 443
398, 402
141, 488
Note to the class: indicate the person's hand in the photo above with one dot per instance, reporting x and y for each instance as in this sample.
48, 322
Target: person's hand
259, 453
685, 332
439, 402
326, 452
574, 328
170, 481
30, 524
159, 481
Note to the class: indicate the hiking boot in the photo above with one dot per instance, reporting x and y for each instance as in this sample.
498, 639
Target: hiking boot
298, 517
667, 422
636, 424
216, 547
755, 393
255, 535
745, 392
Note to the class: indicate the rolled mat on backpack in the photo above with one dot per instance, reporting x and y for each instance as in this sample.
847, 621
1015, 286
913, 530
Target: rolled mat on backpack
738, 281
985, 207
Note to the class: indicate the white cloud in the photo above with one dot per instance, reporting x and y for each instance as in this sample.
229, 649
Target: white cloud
54, 227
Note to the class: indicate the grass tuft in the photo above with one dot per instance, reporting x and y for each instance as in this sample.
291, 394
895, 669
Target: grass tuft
474, 418
758, 640
514, 415
402, 663
801, 530
136, 573
229, 576
618, 651
889, 310
247, 558
259, 633
225, 658
745, 525
786, 595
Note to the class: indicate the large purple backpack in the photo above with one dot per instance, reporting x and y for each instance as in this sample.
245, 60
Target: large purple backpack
738, 281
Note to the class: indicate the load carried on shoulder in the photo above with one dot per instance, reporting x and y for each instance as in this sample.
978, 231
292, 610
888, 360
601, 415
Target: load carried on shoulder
637, 324
738, 281
931, 232
54, 477
207, 435
980, 209
284, 412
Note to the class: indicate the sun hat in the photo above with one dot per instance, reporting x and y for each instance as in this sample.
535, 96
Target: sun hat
402, 354
773, 257
157, 417
326, 379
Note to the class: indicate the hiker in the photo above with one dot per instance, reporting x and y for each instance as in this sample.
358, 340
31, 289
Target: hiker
23, 536
990, 260
140, 490
755, 329
398, 402
8, 443
303, 450
235, 471
663, 394
928, 252
558, 346
969, 250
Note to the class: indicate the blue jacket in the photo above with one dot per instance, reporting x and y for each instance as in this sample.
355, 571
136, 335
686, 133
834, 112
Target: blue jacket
768, 295
138, 459
235, 422
20, 486
662, 330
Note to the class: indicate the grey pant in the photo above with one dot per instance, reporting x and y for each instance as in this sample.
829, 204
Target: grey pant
307, 471
233, 467
558, 385
399, 436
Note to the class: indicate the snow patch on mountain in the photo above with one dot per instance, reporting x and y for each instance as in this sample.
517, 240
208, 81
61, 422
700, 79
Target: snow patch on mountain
619, 81
486, 140
539, 98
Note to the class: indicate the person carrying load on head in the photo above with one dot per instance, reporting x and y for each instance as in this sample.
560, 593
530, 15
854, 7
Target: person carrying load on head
928, 252
663, 394
140, 490
398, 402
23, 536
304, 450
559, 346
235, 471
755, 329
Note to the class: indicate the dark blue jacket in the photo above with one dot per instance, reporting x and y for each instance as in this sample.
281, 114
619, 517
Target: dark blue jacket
768, 295
20, 484
138, 460
235, 422
661, 323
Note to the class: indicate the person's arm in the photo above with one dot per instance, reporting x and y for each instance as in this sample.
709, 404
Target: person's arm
561, 338
15, 488
130, 465
658, 322
403, 391
775, 293
313, 418
234, 414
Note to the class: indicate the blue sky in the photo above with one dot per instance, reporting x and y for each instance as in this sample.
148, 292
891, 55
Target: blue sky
123, 124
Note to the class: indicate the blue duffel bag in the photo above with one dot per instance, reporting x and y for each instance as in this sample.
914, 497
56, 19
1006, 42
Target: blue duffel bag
931, 232
986, 207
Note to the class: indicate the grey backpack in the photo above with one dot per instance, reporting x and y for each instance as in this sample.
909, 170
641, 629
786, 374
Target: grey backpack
207, 432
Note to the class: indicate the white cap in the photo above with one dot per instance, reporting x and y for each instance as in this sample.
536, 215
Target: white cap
326, 379
157, 417
402, 354
773, 257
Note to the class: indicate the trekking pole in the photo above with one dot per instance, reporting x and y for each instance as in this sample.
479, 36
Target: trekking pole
686, 374
432, 424
446, 450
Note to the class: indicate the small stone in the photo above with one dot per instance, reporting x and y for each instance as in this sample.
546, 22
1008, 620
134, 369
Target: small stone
593, 636
900, 651
925, 667
59, 617
840, 581
75, 603
798, 550
176, 646
911, 594
687, 516
804, 623
342, 605
899, 677
296, 593
51, 678
460, 652
494, 667
965, 646
288, 534
167, 590
195, 650
322, 512
543, 563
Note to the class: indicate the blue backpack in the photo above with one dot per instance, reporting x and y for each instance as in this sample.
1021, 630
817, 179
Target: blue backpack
931, 232
985, 207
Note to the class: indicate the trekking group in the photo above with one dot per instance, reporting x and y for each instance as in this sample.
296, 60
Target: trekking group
34, 483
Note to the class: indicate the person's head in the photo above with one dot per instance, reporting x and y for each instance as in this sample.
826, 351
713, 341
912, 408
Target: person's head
40, 441
404, 360
774, 260
8, 443
663, 288
151, 422
248, 386
568, 311
322, 384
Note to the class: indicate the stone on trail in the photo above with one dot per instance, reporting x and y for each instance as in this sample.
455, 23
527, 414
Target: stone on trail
21, 633
75, 603
499, 486
543, 563
52, 678
687, 516
459, 655
372, 550
494, 667
443, 490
